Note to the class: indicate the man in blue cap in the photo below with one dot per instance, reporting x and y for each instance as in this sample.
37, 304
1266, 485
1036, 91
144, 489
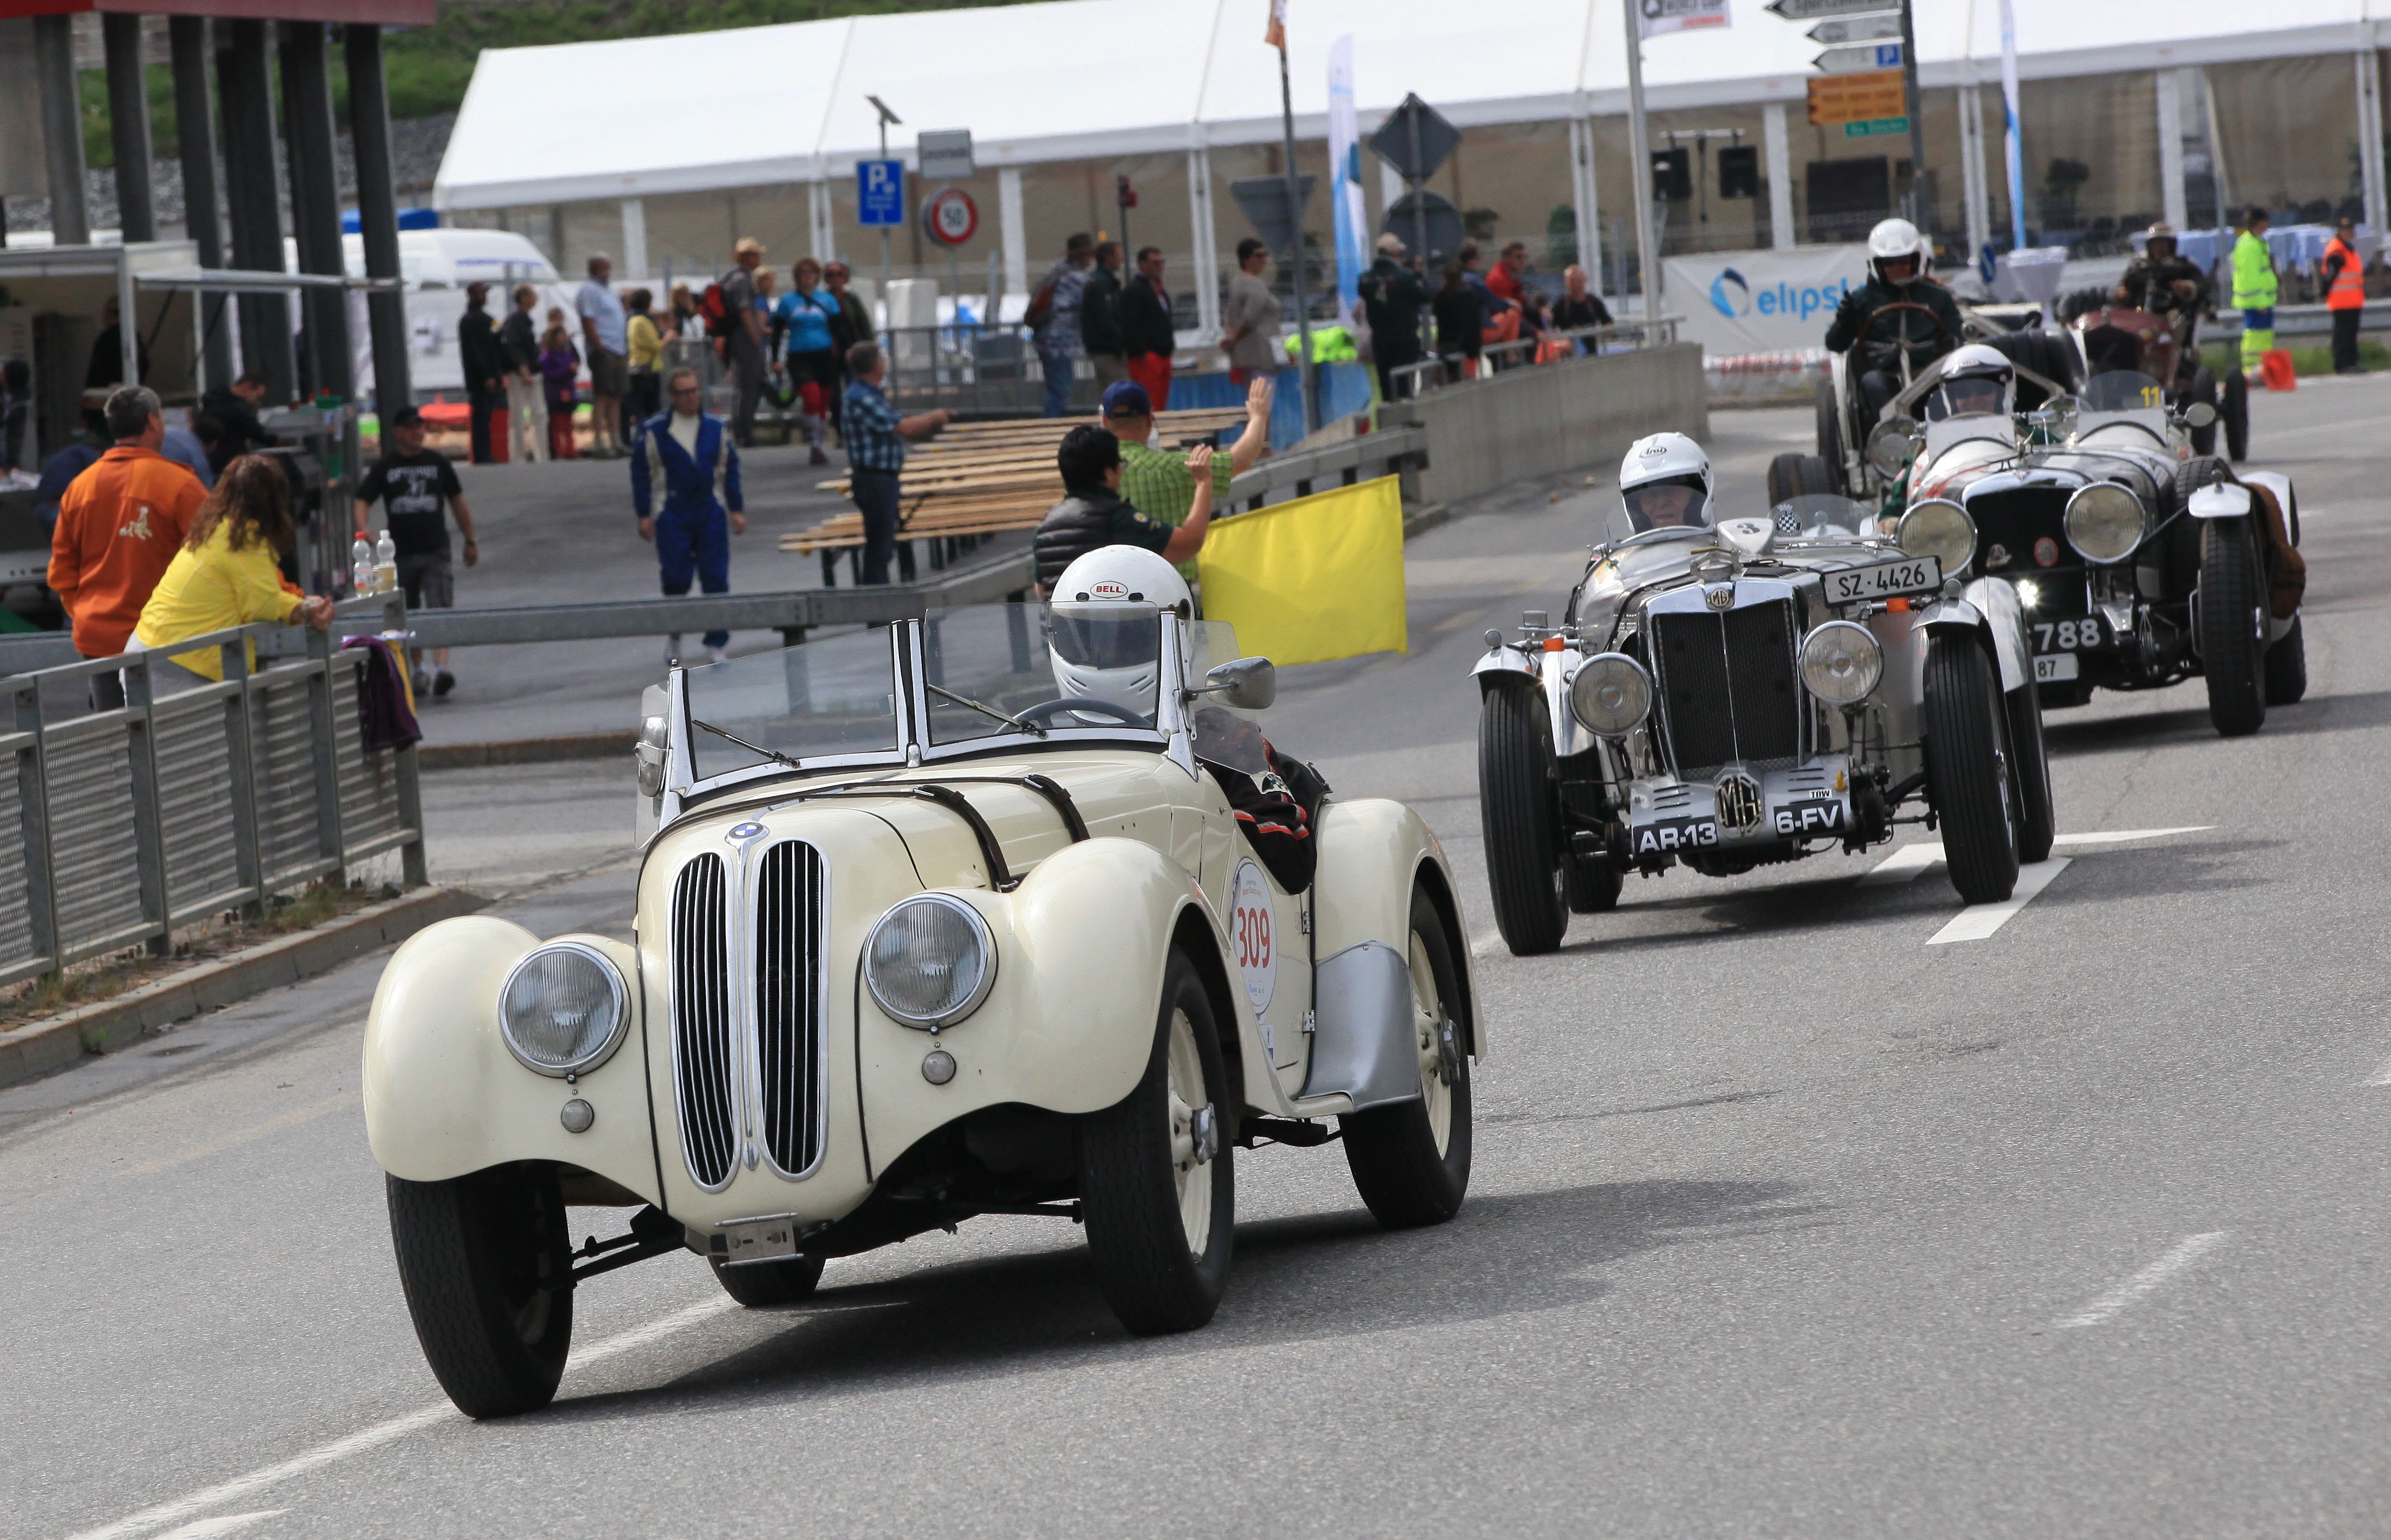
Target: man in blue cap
683, 457
1160, 483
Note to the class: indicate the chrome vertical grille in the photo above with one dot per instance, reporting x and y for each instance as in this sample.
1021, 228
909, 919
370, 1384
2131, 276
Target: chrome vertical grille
1727, 687
788, 1003
704, 1063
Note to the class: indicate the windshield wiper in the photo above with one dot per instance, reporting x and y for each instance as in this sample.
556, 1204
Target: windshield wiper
772, 754
1024, 724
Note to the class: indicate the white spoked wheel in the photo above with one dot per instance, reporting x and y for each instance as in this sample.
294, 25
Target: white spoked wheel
1195, 1133
1432, 1028
1411, 1158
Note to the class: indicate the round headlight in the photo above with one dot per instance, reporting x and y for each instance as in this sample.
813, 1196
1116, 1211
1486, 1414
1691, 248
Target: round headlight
930, 961
1610, 693
1940, 528
564, 1009
1842, 662
2104, 521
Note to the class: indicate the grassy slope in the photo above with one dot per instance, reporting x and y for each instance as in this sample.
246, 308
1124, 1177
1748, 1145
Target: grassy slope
429, 67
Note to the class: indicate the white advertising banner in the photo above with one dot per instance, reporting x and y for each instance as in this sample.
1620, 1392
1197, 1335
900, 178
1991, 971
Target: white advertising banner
1762, 302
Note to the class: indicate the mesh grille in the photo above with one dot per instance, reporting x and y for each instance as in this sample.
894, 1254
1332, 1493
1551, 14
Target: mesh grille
788, 1010
1727, 686
701, 1010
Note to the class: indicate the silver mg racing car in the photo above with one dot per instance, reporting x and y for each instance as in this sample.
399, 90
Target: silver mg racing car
1725, 695
1009, 911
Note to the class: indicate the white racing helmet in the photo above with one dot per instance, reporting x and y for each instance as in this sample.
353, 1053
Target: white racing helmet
1895, 240
1656, 478
1115, 658
1977, 379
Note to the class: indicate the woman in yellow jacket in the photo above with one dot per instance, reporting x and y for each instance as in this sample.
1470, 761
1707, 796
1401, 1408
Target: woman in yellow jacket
226, 573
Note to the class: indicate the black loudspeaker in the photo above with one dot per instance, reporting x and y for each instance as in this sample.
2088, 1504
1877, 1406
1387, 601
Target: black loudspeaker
1739, 171
1673, 173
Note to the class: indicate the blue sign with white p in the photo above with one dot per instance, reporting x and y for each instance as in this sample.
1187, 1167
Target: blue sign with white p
880, 192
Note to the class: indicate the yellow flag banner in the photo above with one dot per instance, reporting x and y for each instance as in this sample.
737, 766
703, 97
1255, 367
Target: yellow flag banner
1314, 579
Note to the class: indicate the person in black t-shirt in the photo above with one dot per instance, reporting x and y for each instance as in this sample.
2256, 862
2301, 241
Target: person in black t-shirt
412, 483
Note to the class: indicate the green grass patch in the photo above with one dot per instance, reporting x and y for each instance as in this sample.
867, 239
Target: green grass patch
2372, 355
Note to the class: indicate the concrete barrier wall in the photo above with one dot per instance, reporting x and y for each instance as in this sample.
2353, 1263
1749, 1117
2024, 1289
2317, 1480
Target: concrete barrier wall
1544, 420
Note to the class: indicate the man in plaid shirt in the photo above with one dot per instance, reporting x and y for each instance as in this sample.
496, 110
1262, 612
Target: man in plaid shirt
875, 439
1156, 482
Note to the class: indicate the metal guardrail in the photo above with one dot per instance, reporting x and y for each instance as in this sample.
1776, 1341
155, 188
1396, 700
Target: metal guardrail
206, 799
1392, 451
1411, 381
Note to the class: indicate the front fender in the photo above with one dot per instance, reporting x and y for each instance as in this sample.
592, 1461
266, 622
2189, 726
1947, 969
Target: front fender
1501, 664
444, 1097
1068, 1025
1989, 609
1373, 851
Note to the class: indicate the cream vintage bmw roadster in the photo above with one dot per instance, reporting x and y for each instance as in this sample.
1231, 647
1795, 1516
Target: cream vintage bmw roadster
944, 918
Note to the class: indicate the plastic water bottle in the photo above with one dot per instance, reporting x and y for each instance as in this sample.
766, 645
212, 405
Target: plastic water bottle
361, 566
385, 557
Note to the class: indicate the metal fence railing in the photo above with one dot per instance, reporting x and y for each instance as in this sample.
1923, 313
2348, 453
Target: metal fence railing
1453, 369
137, 821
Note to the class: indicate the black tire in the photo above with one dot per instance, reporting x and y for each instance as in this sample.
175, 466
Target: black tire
2204, 391
2234, 410
2232, 652
1129, 1179
1793, 474
2287, 667
477, 1256
757, 1284
1830, 433
1966, 769
1591, 884
1407, 1173
2038, 819
1520, 813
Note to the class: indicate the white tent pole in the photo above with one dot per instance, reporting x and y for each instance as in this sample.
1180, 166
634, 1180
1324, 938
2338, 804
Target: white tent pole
820, 238
1639, 151
1581, 198
1206, 238
635, 237
1977, 190
2370, 139
1012, 233
1779, 145
2170, 108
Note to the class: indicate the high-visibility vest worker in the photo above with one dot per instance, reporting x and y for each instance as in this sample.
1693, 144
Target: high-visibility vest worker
2345, 289
2254, 289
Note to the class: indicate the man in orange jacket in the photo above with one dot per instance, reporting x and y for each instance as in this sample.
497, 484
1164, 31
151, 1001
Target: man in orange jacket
118, 525
2345, 293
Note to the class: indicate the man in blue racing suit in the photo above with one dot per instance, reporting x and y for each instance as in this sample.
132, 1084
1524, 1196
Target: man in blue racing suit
684, 459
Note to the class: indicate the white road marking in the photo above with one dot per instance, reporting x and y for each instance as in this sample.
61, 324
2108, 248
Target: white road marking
2122, 837
2381, 1076
366, 1439
1486, 945
1979, 921
2188, 1250
1903, 863
211, 1529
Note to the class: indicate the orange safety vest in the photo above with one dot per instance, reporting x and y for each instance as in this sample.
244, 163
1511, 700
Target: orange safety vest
2348, 290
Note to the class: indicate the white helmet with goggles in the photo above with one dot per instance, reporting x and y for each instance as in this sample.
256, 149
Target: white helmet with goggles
1104, 627
1664, 481
1977, 379
1896, 240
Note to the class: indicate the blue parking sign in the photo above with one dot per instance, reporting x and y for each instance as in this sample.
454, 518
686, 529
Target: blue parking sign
880, 192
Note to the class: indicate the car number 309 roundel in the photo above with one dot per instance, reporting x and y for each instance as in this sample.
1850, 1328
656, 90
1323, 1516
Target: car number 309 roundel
1253, 935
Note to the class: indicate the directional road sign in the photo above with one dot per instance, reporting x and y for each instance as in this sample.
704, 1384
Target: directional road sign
1856, 99
1858, 58
1857, 29
880, 192
1414, 141
1263, 201
945, 154
1873, 127
1811, 10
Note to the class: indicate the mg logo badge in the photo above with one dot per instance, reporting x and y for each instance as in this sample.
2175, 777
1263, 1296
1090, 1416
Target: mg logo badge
1738, 802
1720, 597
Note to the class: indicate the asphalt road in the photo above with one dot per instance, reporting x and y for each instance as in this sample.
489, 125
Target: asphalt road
1786, 1220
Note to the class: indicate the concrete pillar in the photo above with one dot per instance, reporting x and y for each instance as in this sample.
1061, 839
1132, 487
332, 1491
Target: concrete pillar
1586, 201
202, 215
377, 213
635, 237
1204, 234
61, 129
316, 204
2370, 139
1777, 148
253, 197
1976, 190
2177, 209
1011, 236
128, 125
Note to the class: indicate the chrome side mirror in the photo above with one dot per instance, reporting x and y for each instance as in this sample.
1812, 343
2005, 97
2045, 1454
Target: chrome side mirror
1889, 445
1244, 684
2199, 414
648, 751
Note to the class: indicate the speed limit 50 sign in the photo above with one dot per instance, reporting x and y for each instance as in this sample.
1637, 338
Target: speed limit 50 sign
950, 217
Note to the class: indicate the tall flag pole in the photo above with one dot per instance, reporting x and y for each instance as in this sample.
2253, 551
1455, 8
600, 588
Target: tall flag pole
1353, 217
2009, 112
1307, 380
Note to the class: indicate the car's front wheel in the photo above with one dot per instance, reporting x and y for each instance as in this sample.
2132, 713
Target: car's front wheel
2233, 628
1157, 1187
487, 1267
757, 1284
1520, 813
1967, 770
1411, 1160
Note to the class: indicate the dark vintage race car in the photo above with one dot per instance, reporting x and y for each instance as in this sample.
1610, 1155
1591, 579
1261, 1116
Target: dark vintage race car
1771, 688
2112, 338
2138, 561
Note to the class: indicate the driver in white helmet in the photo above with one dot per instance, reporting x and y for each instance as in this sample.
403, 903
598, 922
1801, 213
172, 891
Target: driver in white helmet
1898, 275
1979, 379
1115, 665
1665, 482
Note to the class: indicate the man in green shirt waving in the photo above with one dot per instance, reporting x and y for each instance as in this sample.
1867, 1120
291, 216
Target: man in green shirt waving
1159, 483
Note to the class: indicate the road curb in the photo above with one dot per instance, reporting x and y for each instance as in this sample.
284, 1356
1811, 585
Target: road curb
108, 1026
1425, 519
525, 751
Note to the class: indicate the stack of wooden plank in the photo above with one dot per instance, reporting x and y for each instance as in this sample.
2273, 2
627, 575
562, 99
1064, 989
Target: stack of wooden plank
980, 478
